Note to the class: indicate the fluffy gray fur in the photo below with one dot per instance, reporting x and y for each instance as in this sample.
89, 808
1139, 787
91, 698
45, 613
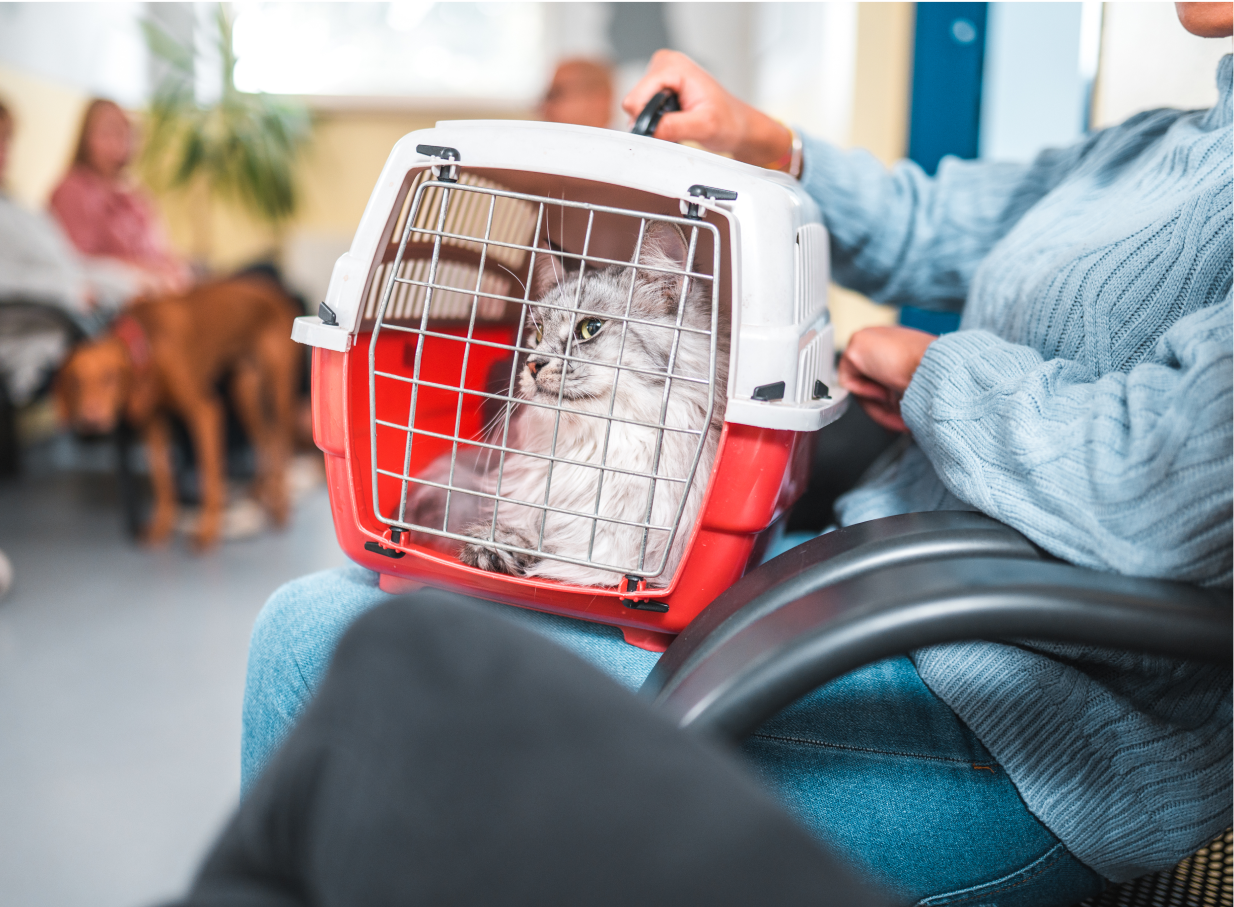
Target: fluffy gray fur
588, 392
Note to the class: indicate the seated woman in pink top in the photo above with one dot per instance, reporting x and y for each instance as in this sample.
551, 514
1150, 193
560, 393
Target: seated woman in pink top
101, 210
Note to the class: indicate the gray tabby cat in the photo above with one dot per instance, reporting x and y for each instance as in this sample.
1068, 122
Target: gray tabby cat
594, 327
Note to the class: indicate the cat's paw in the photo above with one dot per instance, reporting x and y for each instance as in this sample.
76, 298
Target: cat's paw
496, 560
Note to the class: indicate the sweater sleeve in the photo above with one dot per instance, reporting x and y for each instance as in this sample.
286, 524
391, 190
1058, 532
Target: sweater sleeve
1128, 472
902, 237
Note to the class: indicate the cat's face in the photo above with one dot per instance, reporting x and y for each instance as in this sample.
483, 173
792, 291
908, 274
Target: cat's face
588, 323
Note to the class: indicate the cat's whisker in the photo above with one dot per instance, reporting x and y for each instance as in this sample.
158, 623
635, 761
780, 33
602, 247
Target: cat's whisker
518, 280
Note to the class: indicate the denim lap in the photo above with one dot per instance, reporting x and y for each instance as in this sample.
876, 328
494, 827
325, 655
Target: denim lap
880, 768
296, 633
873, 763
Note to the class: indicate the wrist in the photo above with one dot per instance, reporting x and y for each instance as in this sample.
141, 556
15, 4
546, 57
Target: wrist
766, 141
790, 161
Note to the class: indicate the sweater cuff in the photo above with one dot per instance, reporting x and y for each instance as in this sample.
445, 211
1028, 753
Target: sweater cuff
818, 158
956, 369
846, 184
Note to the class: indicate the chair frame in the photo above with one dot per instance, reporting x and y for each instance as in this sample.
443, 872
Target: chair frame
886, 587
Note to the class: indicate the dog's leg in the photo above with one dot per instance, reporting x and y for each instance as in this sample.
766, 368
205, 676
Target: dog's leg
279, 360
245, 392
205, 422
162, 476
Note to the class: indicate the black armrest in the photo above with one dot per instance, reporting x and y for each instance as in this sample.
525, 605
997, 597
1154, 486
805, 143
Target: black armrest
780, 656
832, 558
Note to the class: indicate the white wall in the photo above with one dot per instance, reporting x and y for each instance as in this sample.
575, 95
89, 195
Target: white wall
577, 30
805, 61
95, 47
1037, 77
718, 36
1149, 61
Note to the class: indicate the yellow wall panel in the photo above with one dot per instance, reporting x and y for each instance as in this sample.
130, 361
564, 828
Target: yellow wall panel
47, 119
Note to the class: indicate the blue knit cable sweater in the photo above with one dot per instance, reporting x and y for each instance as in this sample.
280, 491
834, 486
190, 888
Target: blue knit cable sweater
1086, 401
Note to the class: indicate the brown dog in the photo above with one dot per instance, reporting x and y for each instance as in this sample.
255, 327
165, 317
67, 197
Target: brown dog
167, 356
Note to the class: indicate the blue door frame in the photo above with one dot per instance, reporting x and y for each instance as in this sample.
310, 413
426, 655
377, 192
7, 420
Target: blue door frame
945, 117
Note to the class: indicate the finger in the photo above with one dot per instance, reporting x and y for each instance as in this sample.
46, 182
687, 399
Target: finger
860, 356
645, 90
664, 71
867, 390
859, 384
889, 355
881, 415
698, 125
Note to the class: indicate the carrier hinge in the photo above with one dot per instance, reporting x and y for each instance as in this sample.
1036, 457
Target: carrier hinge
442, 172
700, 191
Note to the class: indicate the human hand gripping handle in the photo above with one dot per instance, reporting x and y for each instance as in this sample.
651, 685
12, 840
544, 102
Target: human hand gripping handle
709, 115
647, 121
878, 365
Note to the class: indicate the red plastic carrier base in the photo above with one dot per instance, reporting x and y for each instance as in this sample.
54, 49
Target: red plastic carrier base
758, 474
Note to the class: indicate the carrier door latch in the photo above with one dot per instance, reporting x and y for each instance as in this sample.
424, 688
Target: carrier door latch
378, 548
632, 585
700, 191
441, 153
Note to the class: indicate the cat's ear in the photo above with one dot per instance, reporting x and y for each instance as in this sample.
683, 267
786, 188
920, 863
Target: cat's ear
549, 273
664, 246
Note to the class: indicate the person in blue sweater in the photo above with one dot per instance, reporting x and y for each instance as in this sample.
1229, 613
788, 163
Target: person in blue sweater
1085, 401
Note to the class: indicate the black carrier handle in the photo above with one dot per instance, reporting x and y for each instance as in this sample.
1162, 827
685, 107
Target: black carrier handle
664, 102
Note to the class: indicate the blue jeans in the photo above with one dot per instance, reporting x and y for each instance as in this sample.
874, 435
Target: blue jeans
874, 764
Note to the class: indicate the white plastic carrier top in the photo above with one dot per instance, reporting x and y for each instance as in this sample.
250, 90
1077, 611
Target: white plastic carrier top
782, 367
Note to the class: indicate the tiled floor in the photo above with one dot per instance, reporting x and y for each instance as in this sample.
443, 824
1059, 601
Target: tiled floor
121, 673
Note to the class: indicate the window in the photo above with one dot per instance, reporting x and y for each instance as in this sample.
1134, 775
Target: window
415, 49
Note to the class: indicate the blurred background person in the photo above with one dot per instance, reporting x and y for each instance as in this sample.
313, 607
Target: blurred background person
49, 298
39, 264
101, 209
580, 92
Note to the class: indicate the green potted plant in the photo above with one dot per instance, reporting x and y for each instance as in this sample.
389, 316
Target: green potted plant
243, 147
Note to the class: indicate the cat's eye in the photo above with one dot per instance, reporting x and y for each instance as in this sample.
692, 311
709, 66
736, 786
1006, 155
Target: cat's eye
539, 335
588, 328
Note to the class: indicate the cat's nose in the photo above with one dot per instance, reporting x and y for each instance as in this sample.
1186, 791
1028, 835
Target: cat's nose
534, 365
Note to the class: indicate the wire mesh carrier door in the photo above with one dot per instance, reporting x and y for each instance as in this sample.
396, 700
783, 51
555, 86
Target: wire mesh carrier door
544, 417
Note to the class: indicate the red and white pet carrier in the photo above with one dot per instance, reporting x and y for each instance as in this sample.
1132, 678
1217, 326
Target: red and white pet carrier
423, 343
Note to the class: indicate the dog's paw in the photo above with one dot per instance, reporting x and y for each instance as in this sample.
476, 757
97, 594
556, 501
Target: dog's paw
206, 535
279, 511
497, 560
158, 531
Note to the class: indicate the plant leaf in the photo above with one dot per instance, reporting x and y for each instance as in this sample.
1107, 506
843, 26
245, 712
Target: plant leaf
245, 146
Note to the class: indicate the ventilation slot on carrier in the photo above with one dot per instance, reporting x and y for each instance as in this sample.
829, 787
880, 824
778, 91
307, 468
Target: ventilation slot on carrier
812, 269
810, 367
